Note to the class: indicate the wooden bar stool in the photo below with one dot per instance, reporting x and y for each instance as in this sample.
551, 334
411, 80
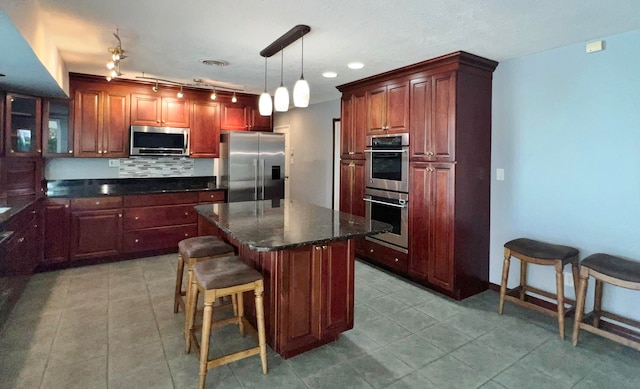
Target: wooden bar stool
224, 277
615, 271
539, 253
191, 251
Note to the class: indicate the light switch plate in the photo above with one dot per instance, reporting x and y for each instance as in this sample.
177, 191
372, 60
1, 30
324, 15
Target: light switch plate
114, 163
500, 174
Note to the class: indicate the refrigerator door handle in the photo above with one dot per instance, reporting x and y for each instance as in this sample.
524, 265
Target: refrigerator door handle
255, 179
262, 177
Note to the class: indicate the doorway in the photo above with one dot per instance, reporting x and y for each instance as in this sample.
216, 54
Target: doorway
288, 157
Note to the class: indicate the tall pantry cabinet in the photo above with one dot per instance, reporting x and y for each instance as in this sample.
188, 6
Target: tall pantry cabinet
449, 126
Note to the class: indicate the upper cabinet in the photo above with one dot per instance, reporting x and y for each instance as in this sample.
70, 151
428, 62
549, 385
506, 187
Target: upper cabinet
388, 108
205, 130
353, 126
152, 110
57, 132
244, 115
22, 125
101, 120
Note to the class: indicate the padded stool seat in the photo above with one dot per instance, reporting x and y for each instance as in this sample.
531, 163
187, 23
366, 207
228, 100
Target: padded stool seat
192, 250
224, 277
613, 270
539, 253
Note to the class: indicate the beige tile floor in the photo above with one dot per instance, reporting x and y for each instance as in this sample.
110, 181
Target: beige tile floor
112, 326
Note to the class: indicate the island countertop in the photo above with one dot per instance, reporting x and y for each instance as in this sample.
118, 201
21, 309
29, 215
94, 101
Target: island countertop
271, 225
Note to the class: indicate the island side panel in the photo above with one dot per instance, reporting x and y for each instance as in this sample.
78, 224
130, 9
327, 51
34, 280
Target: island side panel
338, 284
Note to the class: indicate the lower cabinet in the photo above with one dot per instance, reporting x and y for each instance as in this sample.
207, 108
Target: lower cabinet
57, 226
386, 256
96, 233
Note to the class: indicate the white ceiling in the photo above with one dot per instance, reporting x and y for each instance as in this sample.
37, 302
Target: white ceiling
168, 39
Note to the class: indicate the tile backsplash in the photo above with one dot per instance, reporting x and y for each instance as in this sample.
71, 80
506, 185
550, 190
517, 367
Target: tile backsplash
156, 167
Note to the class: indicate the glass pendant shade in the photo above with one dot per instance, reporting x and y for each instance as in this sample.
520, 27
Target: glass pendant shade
281, 99
301, 93
265, 105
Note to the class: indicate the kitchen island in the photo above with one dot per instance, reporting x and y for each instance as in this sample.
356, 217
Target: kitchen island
306, 256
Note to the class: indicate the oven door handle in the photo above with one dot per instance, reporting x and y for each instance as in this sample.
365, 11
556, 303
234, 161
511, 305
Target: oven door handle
385, 151
383, 203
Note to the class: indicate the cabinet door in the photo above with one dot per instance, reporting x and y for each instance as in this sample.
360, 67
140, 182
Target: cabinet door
22, 179
145, 110
338, 286
397, 115
352, 187
57, 132
175, 112
376, 110
444, 117
359, 125
56, 231
301, 297
233, 116
441, 263
346, 128
23, 126
87, 123
420, 135
205, 130
115, 135
258, 122
420, 216
95, 234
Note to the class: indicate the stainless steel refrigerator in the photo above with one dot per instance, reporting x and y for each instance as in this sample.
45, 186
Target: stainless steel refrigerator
252, 165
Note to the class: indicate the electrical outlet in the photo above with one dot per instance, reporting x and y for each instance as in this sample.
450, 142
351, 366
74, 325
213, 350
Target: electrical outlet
114, 162
568, 279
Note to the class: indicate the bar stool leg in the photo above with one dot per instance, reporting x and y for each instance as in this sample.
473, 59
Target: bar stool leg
178, 293
234, 301
190, 315
597, 304
240, 314
580, 299
261, 331
575, 270
204, 343
505, 278
523, 279
560, 290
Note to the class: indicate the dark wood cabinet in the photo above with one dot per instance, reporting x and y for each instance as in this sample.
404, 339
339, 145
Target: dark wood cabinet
205, 227
353, 122
205, 130
96, 227
448, 118
57, 228
22, 125
388, 108
101, 120
387, 257
352, 187
433, 114
57, 128
154, 110
21, 179
244, 115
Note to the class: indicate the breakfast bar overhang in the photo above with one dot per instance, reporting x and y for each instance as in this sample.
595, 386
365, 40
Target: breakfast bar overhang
306, 256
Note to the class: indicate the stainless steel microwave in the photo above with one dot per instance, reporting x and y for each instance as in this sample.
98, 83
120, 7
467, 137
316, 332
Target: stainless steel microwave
157, 141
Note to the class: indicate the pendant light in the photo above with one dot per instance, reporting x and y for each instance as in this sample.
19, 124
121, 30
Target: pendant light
281, 98
301, 88
264, 104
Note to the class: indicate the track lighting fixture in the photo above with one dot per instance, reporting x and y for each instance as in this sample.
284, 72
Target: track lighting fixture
117, 54
265, 106
213, 94
180, 94
155, 88
234, 99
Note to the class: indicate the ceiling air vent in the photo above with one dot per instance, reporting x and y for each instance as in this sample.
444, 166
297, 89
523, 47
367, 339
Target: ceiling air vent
215, 62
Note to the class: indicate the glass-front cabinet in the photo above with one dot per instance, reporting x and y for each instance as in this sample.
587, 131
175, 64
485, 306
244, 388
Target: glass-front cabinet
57, 137
22, 126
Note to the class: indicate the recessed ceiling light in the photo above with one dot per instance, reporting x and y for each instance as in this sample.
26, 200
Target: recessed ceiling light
355, 65
329, 74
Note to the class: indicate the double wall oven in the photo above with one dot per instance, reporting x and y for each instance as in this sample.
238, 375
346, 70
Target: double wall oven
387, 186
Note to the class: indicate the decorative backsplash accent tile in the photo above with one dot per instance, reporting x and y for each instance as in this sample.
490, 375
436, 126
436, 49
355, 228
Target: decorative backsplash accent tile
156, 167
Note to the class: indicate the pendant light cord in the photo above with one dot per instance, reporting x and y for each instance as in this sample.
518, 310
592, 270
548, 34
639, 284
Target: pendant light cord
302, 68
281, 66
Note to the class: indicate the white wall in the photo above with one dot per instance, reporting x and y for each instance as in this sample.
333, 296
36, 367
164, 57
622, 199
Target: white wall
311, 135
566, 131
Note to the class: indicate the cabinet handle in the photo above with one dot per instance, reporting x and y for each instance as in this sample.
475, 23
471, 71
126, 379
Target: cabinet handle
33, 212
351, 152
39, 151
396, 259
20, 240
136, 218
97, 203
352, 164
186, 234
66, 205
186, 214
136, 241
371, 250
35, 226
157, 121
318, 247
119, 215
13, 151
324, 247
70, 151
164, 121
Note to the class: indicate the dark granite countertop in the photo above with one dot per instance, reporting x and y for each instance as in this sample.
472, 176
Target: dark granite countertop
10, 210
129, 186
271, 225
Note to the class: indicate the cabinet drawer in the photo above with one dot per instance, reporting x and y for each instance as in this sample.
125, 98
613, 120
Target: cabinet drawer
169, 215
384, 255
211, 197
157, 238
96, 203
160, 199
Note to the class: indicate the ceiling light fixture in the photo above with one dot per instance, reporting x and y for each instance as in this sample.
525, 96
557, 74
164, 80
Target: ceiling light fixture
180, 94
329, 74
213, 94
281, 98
155, 88
117, 54
265, 106
301, 88
355, 65
234, 99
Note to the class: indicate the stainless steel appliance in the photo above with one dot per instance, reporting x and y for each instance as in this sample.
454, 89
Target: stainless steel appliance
252, 165
389, 207
149, 140
387, 162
